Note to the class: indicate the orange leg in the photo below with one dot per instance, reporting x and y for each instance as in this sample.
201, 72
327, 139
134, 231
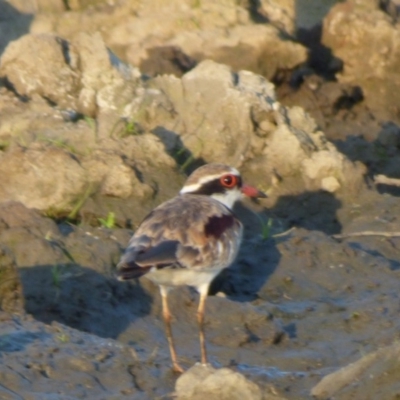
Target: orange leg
167, 320
200, 320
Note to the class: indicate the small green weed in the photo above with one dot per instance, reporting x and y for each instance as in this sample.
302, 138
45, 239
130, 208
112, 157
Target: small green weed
49, 236
187, 163
196, 4
79, 204
183, 158
130, 127
56, 276
63, 338
91, 122
4, 144
60, 143
92, 125
355, 315
108, 222
266, 228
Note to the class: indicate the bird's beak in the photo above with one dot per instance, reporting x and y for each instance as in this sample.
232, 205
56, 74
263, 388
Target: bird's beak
251, 191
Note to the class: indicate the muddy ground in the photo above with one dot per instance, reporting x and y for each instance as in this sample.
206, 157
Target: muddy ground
291, 310
299, 303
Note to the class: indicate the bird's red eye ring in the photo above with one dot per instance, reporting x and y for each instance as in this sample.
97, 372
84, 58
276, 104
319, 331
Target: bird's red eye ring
229, 181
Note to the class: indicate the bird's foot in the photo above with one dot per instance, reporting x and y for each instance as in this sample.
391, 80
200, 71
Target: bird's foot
177, 368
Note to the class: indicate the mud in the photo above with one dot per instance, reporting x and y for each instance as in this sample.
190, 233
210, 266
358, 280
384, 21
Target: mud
299, 303
290, 310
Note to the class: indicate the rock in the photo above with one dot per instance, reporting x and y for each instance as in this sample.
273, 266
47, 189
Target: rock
107, 84
114, 177
83, 75
11, 297
38, 6
14, 215
261, 47
61, 362
204, 381
280, 13
223, 32
349, 29
330, 184
392, 7
209, 114
213, 111
167, 60
235, 117
82, 4
42, 178
28, 236
365, 39
78, 176
298, 148
374, 376
114, 168
50, 75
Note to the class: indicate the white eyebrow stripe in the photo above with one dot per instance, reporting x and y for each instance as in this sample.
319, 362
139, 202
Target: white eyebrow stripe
190, 188
207, 178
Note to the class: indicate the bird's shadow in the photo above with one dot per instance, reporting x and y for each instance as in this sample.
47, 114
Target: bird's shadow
257, 259
82, 298
259, 255
312, 210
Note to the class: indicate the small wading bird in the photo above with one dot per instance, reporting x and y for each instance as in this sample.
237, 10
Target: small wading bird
189, 239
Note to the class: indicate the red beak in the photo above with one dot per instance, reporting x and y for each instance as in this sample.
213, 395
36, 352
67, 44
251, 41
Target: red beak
251, 191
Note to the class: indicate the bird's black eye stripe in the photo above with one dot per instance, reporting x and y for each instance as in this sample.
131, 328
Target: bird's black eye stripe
215, 186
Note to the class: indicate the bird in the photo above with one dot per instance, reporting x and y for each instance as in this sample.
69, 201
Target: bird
188, 240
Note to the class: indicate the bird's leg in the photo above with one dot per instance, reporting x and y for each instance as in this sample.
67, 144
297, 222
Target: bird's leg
200, 320
167, 320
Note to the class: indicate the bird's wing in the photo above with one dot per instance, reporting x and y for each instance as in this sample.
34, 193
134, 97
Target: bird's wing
163, 253
179, 233
135, 263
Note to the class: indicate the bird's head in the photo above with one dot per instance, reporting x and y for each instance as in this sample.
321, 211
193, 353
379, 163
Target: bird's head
220, 182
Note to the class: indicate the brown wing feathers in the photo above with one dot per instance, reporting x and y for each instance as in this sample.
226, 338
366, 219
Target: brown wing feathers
217, 225
174, 234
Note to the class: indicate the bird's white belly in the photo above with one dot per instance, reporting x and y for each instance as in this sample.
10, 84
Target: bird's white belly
195, 277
